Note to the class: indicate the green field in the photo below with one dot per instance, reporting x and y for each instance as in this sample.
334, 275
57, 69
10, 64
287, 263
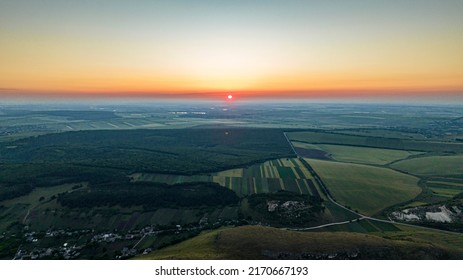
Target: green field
362, 155
254, 242
432, 165
365, 188
445, 189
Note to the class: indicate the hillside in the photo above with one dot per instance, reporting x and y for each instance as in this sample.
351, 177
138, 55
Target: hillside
255, 242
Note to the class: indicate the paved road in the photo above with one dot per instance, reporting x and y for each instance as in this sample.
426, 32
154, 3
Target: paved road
360, 216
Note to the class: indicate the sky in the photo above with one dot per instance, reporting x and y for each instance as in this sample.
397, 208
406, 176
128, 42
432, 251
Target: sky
253, 49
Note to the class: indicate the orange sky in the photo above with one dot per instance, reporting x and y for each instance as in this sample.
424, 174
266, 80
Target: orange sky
290, 48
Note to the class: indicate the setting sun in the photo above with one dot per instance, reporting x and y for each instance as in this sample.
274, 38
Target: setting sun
230, 97
203, 50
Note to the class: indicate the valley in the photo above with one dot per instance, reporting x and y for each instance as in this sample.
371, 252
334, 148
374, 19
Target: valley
118, 182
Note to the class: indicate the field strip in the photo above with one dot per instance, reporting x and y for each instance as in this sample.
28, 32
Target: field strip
299, 186
113, 125
128, 124
306, 186
282, 184
276, 172
295, 173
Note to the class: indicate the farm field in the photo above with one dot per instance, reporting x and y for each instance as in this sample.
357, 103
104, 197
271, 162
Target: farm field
365, 188
353, 171
319, 137
442, 190
271, 176
363, 155
383, 133
446, 189
285, 174
432, 165
84, 119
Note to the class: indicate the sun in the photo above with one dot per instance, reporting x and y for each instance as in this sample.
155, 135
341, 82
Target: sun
230, 97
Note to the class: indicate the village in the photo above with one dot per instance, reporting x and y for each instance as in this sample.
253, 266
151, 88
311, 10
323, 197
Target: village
77, 244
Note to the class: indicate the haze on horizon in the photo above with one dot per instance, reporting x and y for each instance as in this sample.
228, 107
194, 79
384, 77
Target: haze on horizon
390, 50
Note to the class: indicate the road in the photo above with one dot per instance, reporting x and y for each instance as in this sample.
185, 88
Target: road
291, 144
360, 216
143, 237
326, 225
27, 215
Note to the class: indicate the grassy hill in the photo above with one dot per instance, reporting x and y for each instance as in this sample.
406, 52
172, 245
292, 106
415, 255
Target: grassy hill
255, 242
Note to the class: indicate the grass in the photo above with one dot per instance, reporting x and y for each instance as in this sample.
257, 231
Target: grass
432, 165
453, 241
199, 247
365, 188
256, 242
334, 213
361, 226
364, 155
